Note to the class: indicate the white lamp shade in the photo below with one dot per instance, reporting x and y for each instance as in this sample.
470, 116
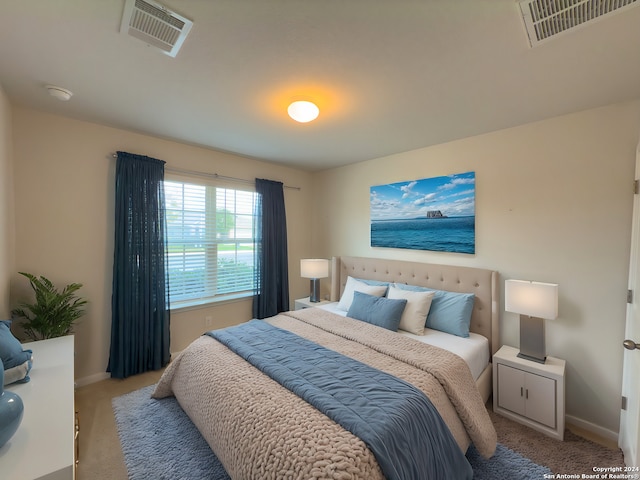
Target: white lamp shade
314, 268
534, 299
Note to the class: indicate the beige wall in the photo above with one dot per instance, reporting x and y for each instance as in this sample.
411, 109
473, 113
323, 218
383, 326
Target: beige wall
64, 202
6, 205
553, 204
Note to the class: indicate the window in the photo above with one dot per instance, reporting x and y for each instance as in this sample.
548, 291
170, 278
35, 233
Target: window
210, 237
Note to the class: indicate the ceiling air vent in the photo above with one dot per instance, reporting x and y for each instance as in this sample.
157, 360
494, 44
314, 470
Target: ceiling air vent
545, 19
156, 25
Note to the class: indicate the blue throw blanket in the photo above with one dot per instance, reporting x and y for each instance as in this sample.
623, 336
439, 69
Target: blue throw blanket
396, 421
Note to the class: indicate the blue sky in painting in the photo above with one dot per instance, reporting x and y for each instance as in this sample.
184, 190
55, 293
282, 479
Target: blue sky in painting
453, 195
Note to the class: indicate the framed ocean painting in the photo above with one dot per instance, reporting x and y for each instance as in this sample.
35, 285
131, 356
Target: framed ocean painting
430, 214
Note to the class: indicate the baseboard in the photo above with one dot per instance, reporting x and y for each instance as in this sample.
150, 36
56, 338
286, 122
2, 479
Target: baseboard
592, 427
81, 382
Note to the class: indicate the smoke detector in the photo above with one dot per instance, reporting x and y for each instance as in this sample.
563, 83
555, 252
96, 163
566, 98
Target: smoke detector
544, 19
60, 93
155, 25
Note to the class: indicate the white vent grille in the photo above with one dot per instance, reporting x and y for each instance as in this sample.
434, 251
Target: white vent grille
545, 19
156, 25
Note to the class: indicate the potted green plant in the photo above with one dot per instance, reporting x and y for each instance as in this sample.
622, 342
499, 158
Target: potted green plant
53, 313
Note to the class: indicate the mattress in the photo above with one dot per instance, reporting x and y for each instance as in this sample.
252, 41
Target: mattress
474, 350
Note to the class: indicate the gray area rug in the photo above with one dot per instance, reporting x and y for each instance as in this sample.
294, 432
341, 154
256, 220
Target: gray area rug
160, 442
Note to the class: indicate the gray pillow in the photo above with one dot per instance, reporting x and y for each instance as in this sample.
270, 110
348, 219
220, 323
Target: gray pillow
381, 311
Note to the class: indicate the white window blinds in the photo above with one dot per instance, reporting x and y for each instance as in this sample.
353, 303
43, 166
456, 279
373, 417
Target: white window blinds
210, 232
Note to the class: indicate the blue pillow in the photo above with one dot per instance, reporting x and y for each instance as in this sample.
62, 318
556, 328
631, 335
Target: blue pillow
450, 312
11, 350
375, 283
381, 311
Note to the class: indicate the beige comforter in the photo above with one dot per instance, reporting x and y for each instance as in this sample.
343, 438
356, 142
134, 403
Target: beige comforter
260, 430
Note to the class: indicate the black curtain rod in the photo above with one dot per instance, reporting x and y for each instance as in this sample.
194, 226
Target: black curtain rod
212, 175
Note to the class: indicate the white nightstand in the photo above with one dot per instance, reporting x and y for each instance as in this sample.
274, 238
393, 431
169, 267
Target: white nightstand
306, 303
528, 392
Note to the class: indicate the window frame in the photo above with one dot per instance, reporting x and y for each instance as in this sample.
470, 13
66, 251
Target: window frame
211, 248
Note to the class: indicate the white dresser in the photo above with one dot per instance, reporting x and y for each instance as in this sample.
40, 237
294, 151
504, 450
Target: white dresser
43, 447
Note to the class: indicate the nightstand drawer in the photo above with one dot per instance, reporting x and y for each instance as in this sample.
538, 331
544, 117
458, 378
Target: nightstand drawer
527, 394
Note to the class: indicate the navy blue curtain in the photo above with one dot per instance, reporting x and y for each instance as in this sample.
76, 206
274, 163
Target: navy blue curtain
139, 299
272, 262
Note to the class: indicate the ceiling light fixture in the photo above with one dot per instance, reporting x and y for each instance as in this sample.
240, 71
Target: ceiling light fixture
303, 111
58, 92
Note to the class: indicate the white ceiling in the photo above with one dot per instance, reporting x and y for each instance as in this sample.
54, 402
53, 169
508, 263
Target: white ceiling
388, 75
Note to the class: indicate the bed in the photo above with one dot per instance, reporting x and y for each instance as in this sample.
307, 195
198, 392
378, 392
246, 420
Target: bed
259, 428
483, 283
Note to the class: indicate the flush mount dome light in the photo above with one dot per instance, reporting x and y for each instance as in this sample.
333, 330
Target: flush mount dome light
303, 111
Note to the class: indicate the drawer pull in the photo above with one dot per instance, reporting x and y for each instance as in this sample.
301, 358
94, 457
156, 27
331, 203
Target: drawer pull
77, 438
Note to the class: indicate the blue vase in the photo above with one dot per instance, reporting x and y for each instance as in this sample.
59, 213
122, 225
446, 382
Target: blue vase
11, 411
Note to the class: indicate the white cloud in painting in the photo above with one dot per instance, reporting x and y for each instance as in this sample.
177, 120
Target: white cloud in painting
429, 198
453, 196
406, 189
456, 182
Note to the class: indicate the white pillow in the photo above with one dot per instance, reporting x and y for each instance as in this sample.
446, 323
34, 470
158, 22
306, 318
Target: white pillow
354, 285
415, 313
17, 373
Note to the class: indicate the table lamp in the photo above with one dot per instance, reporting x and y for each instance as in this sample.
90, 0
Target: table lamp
315, 269
534, 301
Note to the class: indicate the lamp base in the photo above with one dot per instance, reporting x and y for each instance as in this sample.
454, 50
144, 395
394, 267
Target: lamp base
532, 359
532, 339
314, 295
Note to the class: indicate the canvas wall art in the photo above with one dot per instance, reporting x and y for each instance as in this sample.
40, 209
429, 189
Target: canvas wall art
430, 214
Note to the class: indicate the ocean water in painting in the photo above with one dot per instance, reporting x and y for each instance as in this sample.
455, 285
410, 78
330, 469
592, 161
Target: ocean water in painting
435, 213
451, 234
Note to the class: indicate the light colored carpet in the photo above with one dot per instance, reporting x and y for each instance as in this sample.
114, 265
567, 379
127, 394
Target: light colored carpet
575, 455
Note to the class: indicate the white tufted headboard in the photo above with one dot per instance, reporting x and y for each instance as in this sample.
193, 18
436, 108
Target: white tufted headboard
481, 282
